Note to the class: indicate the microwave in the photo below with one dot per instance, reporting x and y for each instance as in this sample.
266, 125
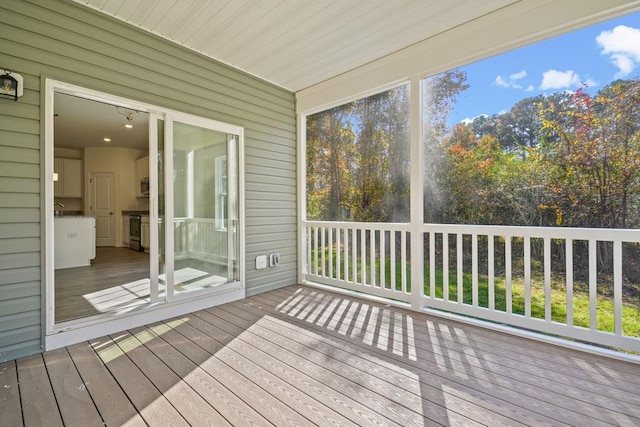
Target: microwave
144, 187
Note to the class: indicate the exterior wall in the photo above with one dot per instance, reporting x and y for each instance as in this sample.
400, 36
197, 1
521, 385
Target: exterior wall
61, 40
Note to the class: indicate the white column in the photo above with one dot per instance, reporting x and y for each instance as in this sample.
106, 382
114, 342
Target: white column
417, 195
302, 195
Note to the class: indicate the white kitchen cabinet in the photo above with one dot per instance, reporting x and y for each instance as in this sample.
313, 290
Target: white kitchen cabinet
141, 171
144, 232
69, 183
74, 241
126, 230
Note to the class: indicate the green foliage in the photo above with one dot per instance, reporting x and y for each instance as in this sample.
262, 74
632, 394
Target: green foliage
561, 160
358, 160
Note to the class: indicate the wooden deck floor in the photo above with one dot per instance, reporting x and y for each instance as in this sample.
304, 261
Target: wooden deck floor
299, 356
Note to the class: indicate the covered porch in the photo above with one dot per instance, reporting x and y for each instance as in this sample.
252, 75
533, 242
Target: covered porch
304, 356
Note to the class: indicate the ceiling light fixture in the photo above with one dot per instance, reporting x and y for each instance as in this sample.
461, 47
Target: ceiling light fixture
128, 113
107, 139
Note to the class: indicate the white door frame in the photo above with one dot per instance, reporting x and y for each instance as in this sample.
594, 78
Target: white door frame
169, 118
58, 335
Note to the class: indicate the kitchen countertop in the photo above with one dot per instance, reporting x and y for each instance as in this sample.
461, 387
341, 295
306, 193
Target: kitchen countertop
60, 213
124, 213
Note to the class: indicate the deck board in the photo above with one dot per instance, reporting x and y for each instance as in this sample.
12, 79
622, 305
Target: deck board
39, 406
268, 405
407, 376
355, 412
111, 401
301, 356
154, 408
200, 351
10, 409
390, 400
74, 401
563, 401
193, 407
402, 375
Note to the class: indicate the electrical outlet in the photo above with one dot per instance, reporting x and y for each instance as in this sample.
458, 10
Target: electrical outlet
274, 259
261, 262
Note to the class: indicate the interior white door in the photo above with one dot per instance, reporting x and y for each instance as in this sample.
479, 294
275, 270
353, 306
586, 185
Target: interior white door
102, 206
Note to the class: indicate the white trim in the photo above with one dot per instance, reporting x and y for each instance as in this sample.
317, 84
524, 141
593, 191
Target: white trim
514, 26
241, 207
302, 194
99, 326
417, 193
190, 185
47, 261
340, 101
223, 216
154, 249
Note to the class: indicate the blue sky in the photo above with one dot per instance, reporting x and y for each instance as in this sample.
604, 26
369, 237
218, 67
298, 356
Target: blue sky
595, 55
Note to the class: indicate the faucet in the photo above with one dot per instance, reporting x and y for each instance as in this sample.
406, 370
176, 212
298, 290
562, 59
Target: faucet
57, 212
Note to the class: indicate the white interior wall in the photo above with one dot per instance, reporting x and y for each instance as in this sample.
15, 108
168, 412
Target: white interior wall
121, 161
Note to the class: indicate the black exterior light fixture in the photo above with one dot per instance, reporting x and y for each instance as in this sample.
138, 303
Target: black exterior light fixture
10, 85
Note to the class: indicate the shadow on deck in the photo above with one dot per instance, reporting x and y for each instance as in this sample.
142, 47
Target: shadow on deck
300, 356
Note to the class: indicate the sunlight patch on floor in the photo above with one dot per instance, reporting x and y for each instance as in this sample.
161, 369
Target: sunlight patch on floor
122, 343
121, 298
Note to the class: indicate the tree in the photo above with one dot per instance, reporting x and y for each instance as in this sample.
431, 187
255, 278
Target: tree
522, 125
440, 93
396, 122
329, 144
593, 149
358, 160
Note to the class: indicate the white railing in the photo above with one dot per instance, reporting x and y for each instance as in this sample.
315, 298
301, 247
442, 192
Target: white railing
199, 238
349, 255
569, 282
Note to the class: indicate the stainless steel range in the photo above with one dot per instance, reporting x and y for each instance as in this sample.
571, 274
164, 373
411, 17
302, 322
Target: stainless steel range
135, 232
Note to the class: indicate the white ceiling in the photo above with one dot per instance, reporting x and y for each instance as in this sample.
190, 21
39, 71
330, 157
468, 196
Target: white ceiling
296, 43
80, 122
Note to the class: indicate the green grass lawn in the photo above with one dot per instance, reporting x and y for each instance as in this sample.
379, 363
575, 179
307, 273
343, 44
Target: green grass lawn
604, 312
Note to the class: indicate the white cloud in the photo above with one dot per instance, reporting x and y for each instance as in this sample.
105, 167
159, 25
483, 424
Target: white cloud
468, 120
590, 83
622, 44
624, 63
511, 81
517, 76
554, 79
501, 81
529, 88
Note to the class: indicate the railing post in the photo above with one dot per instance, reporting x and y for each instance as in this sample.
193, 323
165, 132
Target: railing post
417, 195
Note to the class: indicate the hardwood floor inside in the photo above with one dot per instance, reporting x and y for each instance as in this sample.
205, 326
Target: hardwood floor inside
299, 356
117, 279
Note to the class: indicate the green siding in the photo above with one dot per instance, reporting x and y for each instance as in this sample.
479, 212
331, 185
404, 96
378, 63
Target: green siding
70, 43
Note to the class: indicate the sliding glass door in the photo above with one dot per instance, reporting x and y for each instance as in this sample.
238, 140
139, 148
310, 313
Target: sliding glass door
195, 198
194, 227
